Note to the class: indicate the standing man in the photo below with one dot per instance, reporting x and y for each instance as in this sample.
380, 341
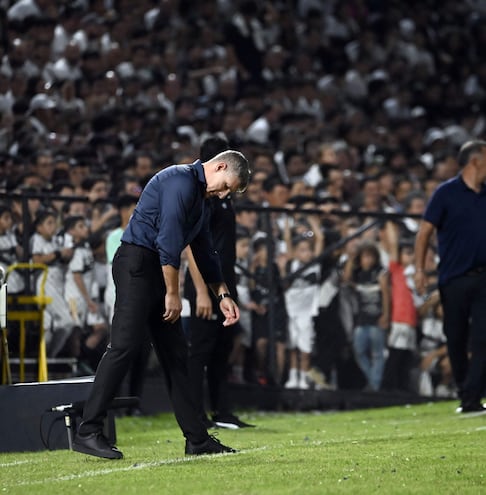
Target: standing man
457, 212
210, 342
169, 216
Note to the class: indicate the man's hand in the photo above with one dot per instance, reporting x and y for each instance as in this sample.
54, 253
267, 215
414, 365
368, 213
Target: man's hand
230, 311
204, 305
173, 307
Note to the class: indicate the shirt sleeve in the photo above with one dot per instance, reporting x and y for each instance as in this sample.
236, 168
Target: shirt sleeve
435, 207
76, 264
176, 203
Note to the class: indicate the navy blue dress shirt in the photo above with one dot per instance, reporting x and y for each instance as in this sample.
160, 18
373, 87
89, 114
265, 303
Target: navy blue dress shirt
459, 215
171, 214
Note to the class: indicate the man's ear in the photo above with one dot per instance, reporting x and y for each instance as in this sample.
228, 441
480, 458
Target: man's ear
221, 166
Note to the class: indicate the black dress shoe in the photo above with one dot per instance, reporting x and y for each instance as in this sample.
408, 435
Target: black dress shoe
96, 444
230, 421
210, 446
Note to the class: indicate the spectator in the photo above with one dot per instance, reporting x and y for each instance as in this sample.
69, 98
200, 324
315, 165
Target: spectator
370, 281
82, 294
435, 377
402, 339
61, 328
262, 325
10, 251
301, 301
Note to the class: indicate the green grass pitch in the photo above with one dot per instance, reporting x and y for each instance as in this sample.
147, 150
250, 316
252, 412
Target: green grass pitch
424, 449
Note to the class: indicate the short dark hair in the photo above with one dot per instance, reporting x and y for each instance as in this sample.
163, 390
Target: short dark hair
272, 181
238, 163
212, 145
126, 201
70, 222
4, 208
42, 215
468, 149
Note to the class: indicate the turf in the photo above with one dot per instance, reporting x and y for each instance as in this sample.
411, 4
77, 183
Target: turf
423, 449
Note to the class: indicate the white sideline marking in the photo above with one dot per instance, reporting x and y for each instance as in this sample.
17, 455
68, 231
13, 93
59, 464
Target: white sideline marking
136, 466
14, 463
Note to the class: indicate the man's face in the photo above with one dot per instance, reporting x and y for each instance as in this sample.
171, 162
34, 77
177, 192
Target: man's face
278, 196
221, 183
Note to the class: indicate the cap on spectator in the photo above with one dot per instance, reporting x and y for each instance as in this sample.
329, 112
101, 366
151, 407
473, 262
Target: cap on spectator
417, 112
41, 101
378, 75
456, 134
432, 135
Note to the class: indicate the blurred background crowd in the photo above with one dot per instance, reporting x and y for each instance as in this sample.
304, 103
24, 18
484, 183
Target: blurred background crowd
342, 107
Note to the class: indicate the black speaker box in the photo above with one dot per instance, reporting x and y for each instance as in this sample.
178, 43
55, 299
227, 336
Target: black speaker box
28, 423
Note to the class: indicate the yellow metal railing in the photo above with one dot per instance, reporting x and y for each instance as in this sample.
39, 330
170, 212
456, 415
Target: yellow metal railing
34, 312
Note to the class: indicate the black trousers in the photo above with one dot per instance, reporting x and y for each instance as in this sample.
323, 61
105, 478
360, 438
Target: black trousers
210, 347
464, 302
139, 305
398, 366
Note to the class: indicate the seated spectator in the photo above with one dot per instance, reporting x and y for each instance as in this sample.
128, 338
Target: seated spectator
81, 292
62, 331
10, 251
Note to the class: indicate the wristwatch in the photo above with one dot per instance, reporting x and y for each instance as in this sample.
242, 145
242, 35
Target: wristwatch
223, 295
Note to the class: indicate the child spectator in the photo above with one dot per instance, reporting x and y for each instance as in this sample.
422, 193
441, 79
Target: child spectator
102, 215
365, 273
82, 293
10, 251
264, 270
302, 302
59, 324
402, 340
435, 377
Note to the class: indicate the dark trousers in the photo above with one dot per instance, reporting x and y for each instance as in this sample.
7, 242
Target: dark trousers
464, 302
397, 370
209, 350
140, 296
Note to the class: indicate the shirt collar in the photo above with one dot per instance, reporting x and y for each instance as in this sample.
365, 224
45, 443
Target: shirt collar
465, 186
200, 172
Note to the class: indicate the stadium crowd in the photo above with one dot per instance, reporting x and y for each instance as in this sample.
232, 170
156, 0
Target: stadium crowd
340, 106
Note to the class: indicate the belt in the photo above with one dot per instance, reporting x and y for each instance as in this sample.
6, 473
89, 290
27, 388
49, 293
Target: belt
476, 271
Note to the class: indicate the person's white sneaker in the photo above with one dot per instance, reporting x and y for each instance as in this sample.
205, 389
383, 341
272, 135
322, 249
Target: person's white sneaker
303, 382
292, 382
